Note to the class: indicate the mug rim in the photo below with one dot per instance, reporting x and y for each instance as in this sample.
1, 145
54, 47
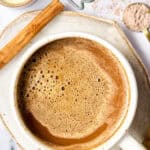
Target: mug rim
128, 117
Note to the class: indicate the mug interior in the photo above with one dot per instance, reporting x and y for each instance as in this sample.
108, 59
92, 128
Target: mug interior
129, 72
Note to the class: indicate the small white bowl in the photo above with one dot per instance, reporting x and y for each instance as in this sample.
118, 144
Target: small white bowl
15, 4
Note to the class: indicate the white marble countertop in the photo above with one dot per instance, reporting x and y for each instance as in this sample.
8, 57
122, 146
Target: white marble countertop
111, 9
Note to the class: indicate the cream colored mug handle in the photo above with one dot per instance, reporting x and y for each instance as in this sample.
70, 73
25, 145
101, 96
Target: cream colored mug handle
129, 143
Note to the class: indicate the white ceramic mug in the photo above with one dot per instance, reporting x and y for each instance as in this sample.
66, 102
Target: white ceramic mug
121, 137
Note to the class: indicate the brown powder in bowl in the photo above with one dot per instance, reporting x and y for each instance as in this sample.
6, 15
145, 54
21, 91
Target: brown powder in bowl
137, 16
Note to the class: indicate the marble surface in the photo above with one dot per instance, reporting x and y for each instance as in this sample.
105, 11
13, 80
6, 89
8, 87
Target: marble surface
111, 9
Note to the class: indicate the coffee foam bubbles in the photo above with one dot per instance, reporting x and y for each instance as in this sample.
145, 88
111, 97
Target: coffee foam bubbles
65, 88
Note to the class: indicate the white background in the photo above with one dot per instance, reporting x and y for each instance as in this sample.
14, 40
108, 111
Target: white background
111, 9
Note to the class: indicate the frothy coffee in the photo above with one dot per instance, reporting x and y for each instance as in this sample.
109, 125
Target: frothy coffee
73, 94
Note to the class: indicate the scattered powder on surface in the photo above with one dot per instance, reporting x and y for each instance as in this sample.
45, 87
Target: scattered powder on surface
118, 11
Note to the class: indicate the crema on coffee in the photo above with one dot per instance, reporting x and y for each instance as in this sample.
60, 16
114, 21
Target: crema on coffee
73, 93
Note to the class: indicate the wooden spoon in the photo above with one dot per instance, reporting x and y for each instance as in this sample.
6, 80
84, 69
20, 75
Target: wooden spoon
11, 49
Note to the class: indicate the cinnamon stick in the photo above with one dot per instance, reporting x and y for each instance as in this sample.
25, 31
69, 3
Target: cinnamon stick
25, 36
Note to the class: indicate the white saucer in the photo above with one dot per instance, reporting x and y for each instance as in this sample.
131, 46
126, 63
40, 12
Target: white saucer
73, 22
